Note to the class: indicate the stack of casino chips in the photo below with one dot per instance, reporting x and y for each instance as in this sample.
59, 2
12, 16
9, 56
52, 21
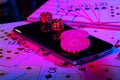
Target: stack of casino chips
74, 41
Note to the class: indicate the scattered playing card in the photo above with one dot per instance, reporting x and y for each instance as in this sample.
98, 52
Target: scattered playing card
105, 72
113, 60
117, 39
86, 73
95, 11
32, 72
7, 73
54, 72
67, 76
11, 55
106, 35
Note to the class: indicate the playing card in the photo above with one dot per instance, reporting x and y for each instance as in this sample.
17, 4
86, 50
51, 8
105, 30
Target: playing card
74, 11
89, 10
13, 47
86, 73
67, 76
117, 39
106, 35
53, 59
99, 11
105, 72
7, 73
11, 55
35, 64
53, 66
32, 72
54, 73
7, 36
112, 59
109, 11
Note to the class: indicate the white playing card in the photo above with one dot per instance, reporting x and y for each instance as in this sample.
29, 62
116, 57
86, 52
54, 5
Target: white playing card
112, 60
7, 73
47, 60
75, 11
109, 12
34, 59
98, 11
54, 72
51, 65
9, 26
86, 73
10, 38
11, 55
67, 76
53, 59
32, 72
38, 63
6, 32
106, 35
14, 48
117, 39
105, 72
89, 9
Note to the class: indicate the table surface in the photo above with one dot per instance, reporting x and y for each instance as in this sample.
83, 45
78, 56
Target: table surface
18, 54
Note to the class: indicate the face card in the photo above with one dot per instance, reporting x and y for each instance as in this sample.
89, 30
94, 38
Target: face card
7, 73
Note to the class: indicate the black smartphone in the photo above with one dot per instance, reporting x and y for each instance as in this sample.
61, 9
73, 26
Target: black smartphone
97, 49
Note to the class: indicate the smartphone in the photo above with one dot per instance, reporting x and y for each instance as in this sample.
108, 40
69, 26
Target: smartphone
32, 32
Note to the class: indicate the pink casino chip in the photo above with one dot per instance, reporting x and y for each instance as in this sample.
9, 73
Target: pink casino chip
74, 45
73, 32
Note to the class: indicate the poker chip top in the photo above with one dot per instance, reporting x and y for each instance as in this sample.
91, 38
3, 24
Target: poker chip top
74, 33
74, 45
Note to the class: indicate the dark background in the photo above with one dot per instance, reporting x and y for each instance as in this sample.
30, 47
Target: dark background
18, 10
